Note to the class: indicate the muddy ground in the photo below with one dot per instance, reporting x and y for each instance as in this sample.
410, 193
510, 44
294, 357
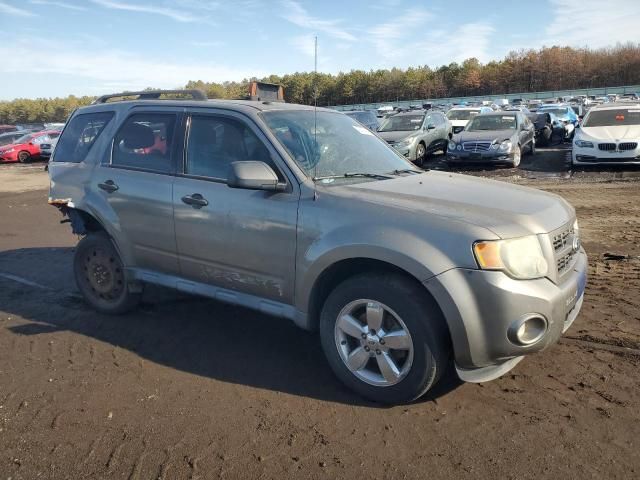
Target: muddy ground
190, 388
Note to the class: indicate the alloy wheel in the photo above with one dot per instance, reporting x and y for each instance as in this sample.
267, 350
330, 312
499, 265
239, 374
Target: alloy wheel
373, 342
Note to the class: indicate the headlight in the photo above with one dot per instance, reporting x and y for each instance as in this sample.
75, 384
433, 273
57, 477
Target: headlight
494, 146
452, 145
521, 258
584, 144
505, 146
9, 150
407, 143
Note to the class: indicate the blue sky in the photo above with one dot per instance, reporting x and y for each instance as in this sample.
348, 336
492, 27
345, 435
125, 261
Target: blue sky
60, 47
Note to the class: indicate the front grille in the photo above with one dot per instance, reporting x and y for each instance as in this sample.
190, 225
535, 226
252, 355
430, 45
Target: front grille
563, 249
476, 146
607, 147
627, 146
565, 262
560, 239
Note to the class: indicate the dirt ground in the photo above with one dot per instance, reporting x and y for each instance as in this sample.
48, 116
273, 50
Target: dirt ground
189, 388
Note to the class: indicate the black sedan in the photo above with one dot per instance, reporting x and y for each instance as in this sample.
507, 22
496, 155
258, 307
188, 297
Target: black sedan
499, 137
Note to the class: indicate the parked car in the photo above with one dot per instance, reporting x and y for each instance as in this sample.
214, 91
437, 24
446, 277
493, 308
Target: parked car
10, 137
27, 147
609, 134
566, 114
366, 117
383, 111
547, 128
416, 134
460, 116
8, 128
304, 213
47, 148
499, 137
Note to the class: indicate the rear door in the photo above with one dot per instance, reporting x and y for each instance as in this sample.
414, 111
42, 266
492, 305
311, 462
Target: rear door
136, 181
243, 241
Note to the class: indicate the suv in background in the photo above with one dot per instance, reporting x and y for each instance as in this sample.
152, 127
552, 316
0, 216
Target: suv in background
460, 116
415, 134
303, 213
365, 117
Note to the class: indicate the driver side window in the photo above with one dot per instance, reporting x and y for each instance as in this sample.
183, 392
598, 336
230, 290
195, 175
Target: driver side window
216, 142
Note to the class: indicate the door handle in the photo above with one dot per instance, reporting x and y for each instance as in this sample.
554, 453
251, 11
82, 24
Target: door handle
195, 200
109, 186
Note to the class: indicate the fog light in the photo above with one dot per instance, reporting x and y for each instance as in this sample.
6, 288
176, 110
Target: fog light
527, 330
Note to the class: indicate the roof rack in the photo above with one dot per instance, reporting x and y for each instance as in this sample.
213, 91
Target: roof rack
153, 95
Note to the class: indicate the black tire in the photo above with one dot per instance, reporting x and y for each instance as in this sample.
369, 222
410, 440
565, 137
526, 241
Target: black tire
100, 276
545, 137
532, 147
24, 157
420, 157
420, 314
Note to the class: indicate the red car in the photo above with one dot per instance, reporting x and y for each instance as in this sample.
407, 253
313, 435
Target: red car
27, 147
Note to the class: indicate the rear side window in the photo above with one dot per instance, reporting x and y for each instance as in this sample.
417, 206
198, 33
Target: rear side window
144, 142
80, 135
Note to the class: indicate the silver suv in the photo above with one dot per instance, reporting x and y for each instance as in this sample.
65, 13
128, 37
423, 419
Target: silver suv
304, 213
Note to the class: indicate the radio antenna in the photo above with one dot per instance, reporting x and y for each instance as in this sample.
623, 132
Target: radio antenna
315, 113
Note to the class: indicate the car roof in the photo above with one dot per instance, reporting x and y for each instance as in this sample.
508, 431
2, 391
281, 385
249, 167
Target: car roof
469, 108
410, 113
239, 105
616, 105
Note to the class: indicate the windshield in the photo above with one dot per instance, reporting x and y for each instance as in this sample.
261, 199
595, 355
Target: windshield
609, 118
402, 123
462, 114
560, 112
23, 139
492, 122
340, 145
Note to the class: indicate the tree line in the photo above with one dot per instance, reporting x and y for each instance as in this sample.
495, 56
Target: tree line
549, 68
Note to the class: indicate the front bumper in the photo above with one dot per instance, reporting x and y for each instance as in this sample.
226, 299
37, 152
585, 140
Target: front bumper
480, 307
488, 156
592, 156
407, 152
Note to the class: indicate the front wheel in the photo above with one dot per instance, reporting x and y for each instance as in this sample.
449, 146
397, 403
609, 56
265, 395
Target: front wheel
100, 275
421, 152
384, 337
517, 156
24, 157
532, 147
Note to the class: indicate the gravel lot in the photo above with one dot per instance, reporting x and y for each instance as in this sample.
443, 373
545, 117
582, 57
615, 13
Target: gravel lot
190, 388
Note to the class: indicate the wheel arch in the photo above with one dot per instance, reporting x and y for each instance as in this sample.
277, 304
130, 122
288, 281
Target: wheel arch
343, 269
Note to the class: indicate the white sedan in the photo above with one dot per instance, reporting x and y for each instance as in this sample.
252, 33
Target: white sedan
609, 134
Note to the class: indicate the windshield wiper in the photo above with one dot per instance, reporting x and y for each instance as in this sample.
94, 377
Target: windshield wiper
378, 176
405, 170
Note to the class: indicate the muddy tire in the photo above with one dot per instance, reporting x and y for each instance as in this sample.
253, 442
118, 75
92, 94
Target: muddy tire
24, 157
100, 275
384, 337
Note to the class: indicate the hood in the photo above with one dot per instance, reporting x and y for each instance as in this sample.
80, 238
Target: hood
613, 132
395, 136
507, 210
490, 135
4, 148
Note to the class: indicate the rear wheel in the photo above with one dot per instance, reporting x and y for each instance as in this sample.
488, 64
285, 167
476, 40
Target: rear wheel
24, 157
384, 337
100, 275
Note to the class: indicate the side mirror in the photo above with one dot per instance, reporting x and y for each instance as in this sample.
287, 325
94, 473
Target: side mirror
253, 175
431, 126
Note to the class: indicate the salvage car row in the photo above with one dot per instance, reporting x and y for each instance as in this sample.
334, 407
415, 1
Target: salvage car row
28, 142
608, 133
